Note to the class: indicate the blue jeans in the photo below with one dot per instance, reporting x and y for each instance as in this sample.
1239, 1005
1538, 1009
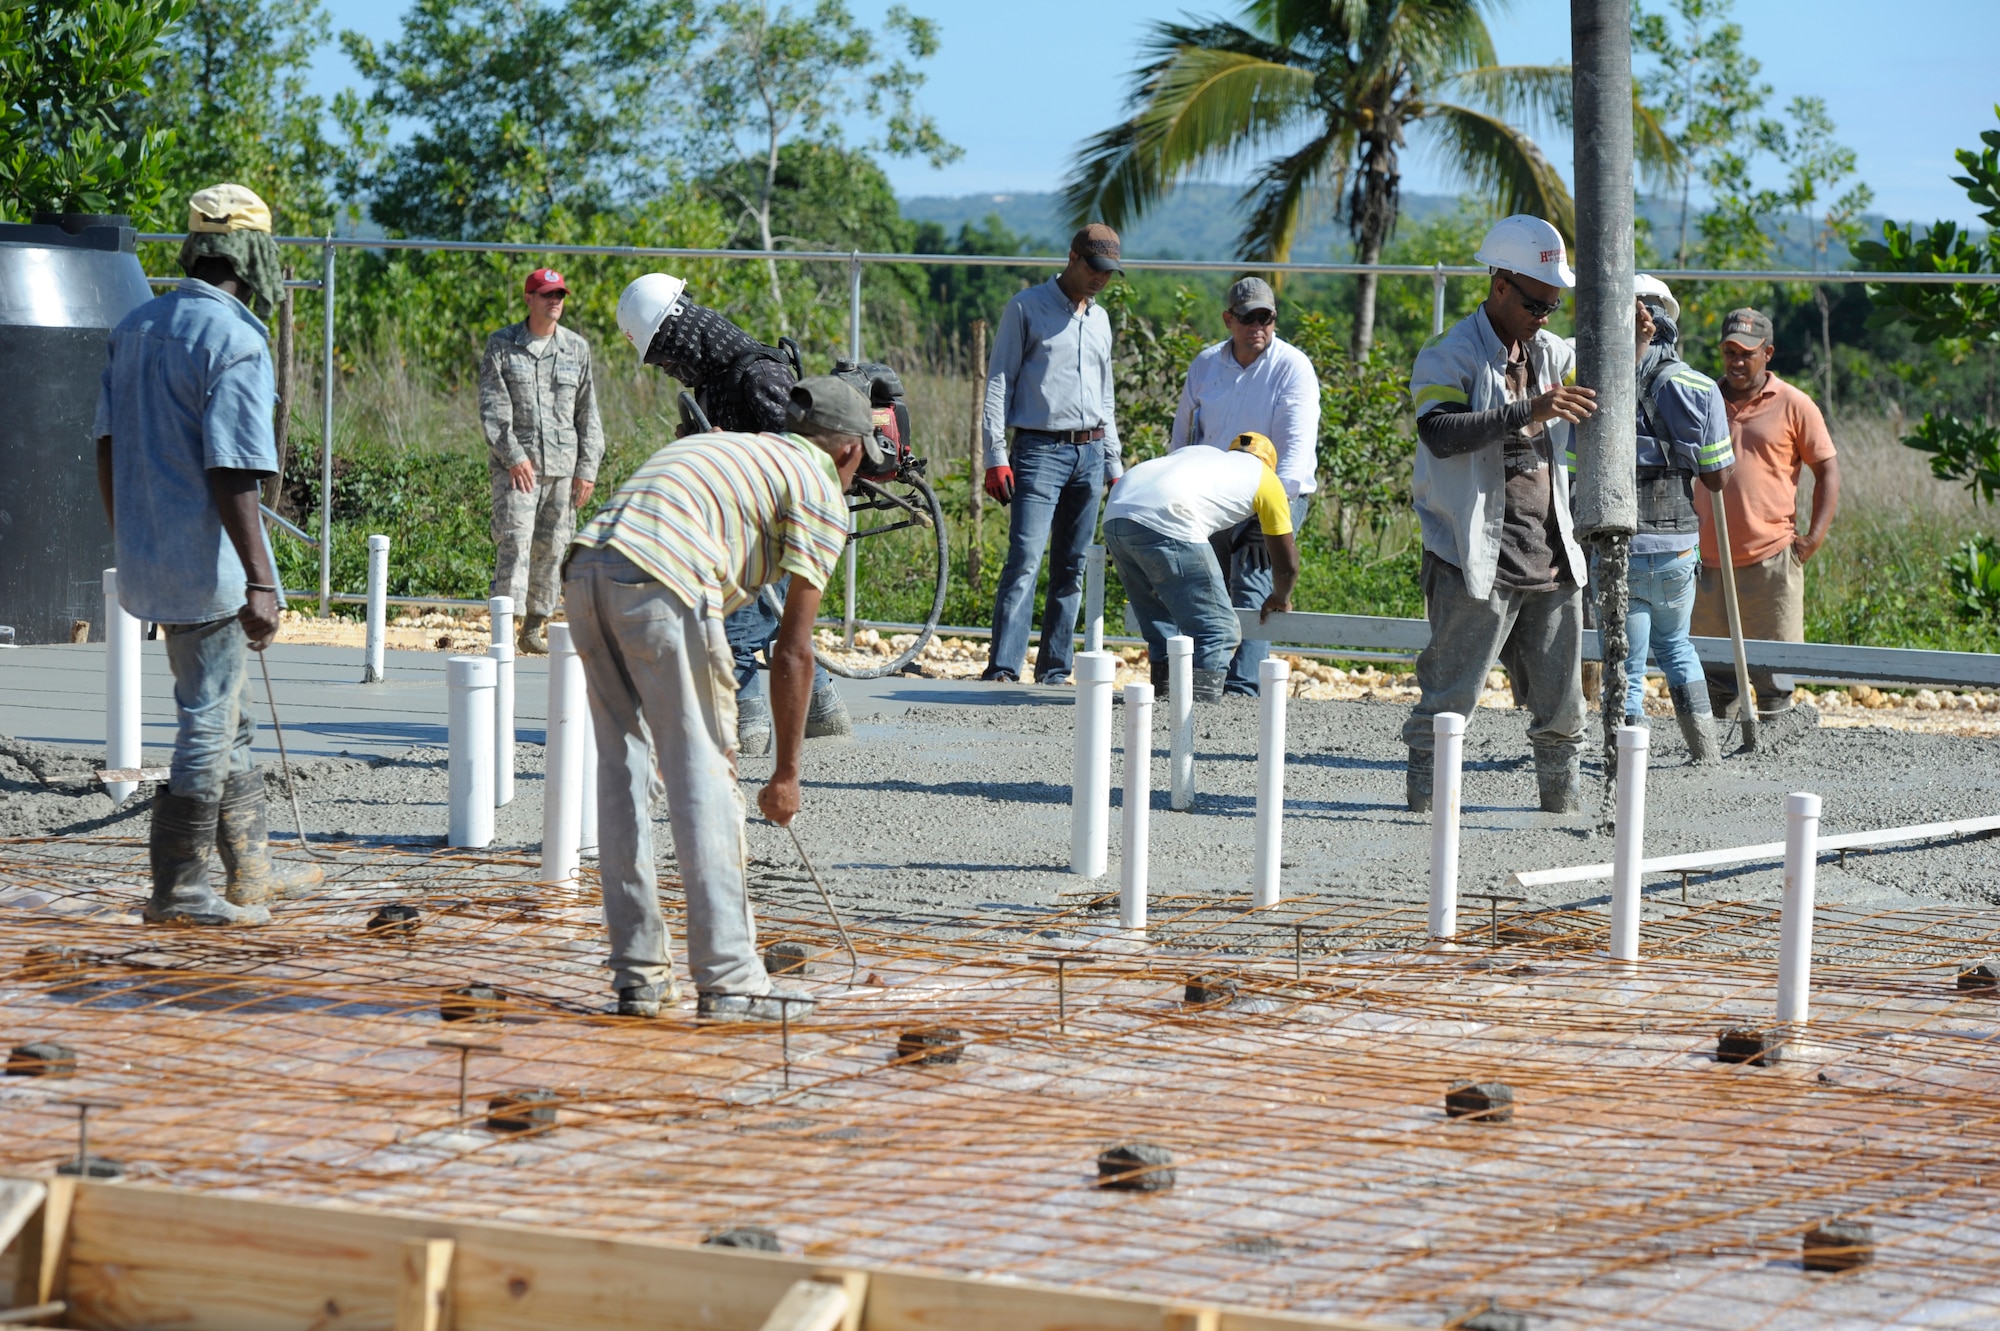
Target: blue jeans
1662, 603
750, 631
1174, 586
211, 665
1057, 487
1241, 550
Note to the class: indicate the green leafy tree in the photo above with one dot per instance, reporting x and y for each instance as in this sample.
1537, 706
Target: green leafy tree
1958, 317
73, 135
1707, 94
231, 79
1353, 81
772, 76
521, 109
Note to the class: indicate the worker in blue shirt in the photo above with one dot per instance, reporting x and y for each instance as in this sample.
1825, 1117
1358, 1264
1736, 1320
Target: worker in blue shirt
1049, 381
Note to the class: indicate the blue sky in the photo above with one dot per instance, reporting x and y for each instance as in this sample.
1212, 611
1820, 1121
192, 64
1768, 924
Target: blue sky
1018, 84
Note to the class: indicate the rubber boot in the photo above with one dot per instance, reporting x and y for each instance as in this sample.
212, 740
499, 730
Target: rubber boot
826, 715
1697, 722
243, 839
530, 639
1208, 685
183, 830
1417, 781
1560, 778
753, 726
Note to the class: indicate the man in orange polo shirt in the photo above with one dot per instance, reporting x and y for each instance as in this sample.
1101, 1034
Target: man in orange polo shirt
1776, 429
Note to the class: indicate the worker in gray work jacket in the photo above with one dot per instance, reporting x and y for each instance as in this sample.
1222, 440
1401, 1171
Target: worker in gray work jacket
545, 443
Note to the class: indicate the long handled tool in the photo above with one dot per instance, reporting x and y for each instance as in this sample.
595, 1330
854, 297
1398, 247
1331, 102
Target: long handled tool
284, 759
852, 956
1746, 697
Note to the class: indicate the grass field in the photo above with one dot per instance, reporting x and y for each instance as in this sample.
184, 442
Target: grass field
410, 462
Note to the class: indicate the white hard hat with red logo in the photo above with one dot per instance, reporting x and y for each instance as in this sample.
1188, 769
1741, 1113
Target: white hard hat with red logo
1655, 292
1528, 246
645, 305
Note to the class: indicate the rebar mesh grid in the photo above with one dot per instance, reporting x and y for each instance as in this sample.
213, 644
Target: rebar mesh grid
1640, 1180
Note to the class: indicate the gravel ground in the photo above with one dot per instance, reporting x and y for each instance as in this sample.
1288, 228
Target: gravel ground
967, 805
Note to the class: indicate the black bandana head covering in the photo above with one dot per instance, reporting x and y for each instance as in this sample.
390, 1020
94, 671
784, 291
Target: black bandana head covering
696, 344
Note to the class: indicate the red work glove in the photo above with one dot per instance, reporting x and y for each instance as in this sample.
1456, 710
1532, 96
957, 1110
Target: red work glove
1000, 483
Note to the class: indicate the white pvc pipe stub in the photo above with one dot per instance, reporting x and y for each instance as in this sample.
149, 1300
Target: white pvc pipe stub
373, 655
1090, 777
562, 785
1132, 869
1447, 780
469, 690
1628, 842
123, 711
1180, 721
1795, 930
1273, 684
1093, 599
500, 619
502, 654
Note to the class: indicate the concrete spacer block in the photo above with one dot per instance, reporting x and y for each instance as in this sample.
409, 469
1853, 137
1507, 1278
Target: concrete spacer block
1136, 1167
522, 1111
1487, 1101
1981, 976
1838, 1245
787, 958
934, 1044
755, 1237
1748, 1045
1206, 989
472, 1002
395, 920
42, 1058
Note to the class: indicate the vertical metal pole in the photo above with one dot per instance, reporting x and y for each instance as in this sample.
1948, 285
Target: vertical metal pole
326, 429
853, 354
1437, 300
975, 551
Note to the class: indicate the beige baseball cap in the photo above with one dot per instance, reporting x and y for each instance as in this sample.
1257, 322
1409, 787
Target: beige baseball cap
225, 208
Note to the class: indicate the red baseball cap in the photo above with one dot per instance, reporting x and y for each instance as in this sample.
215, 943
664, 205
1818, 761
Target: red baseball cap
545, 280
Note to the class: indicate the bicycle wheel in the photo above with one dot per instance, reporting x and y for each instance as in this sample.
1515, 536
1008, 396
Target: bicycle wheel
904, 556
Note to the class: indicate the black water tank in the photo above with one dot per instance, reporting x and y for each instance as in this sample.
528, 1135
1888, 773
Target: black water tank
64, 282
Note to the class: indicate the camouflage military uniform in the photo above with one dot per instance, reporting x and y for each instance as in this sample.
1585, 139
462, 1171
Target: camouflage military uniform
542, 408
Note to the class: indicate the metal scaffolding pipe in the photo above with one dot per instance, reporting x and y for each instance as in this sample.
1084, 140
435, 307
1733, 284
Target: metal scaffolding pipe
326, 429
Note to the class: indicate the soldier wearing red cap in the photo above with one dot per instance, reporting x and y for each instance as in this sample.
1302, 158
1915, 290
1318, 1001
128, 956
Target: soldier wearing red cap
539, 409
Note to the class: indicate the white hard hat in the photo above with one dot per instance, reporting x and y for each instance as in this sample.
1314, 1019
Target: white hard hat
1652, 290
644, 305
1528, 246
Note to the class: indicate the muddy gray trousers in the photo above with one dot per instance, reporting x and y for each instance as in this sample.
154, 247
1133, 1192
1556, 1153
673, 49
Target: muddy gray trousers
1538, 636
661, 678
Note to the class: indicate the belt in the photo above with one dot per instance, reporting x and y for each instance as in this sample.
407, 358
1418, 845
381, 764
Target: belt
1069, 436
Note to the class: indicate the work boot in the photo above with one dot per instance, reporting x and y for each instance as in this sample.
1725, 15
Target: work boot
243, 838
753, 1007
645, 1000
1161, 681
183, 830
1208, 685
753, 726
826, 715
1561, 780
531, 639
1697, 722
1417, 781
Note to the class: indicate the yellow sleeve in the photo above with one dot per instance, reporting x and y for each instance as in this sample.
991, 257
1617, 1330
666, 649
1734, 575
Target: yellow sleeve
1274, 510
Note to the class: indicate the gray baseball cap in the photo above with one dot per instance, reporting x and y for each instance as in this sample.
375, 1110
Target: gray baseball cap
826, 403
1747, 328
1251, 293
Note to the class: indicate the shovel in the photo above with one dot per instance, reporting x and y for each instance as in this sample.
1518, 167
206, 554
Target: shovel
1746, 697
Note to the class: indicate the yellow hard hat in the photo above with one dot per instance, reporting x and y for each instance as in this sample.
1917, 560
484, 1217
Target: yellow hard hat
1258, 446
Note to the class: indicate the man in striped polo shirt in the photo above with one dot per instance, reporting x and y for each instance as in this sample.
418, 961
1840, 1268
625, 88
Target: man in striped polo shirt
697, 530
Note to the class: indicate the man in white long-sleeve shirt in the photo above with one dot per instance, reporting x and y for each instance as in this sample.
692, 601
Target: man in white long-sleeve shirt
1253, 382
1049, 381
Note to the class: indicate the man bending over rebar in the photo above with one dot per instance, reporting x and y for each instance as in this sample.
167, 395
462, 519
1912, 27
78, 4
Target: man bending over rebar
689, 539
184, 439
739, 384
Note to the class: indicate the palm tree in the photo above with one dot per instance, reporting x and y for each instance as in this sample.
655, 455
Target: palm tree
1350, 77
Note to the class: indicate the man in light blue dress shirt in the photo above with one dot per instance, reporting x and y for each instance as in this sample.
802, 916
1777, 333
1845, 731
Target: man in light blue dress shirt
1253, 382
1049, 380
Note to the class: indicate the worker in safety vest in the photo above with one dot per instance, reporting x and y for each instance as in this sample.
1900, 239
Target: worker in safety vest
1502, 571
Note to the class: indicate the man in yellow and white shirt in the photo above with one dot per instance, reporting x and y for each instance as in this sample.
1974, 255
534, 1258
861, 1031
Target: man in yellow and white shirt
1157, 527
689, 538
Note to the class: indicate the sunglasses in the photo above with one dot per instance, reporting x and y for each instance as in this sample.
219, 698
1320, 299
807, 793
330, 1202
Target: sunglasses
1256, 318
1540, 309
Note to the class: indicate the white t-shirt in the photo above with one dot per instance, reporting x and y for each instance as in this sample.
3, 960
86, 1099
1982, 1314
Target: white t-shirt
1276, 395
1196, 492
